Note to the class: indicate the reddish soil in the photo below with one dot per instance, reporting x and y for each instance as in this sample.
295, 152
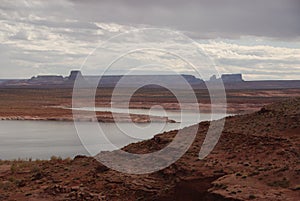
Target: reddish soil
46, 104
256, 158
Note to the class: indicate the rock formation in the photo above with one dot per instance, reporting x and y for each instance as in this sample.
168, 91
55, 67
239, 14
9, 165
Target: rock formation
232, 78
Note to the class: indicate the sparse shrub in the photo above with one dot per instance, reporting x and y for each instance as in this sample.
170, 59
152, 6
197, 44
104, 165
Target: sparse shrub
37, 173
220, 186
14, 168
36, 169
285, 168
69, 160
55, 158
284, 183
254, 173
219, 171
19, 183
238, 174
6, 185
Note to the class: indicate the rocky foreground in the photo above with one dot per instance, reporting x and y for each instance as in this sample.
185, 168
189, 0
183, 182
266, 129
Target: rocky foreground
256, 158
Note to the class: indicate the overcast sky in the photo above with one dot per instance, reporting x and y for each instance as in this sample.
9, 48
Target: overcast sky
259, 38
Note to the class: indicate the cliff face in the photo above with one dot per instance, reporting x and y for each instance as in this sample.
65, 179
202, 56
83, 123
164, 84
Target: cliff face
75, 75
232, 78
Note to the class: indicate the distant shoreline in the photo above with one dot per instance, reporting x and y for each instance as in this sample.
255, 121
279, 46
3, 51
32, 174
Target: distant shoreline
48, 104
102, 119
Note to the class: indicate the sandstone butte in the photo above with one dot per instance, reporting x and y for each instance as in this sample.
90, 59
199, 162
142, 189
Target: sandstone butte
256, 158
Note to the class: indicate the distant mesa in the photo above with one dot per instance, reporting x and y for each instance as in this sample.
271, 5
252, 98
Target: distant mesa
55, 79
232, 78
44, 79
75, 74
228, 78
231, 81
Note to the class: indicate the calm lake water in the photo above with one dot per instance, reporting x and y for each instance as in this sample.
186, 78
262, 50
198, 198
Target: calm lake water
43, 139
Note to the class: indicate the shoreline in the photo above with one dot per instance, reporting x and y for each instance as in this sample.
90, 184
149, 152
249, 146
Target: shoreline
155, 119
234, 170
64, 114
40, 104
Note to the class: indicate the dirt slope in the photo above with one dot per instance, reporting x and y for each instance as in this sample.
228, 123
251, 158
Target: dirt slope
257, 158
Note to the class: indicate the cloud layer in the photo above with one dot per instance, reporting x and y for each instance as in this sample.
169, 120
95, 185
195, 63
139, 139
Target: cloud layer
259, 38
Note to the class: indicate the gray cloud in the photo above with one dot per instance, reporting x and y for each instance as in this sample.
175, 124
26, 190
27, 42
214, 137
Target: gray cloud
199, 18
39, 37
223, 18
